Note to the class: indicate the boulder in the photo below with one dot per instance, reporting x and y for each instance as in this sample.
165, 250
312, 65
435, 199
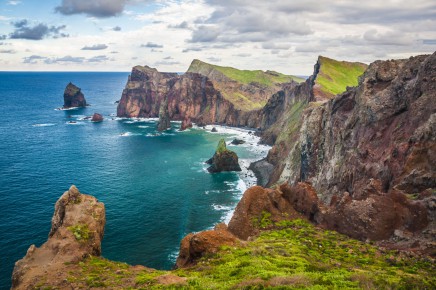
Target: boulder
237, 141
194, 246
214, 130
73, 97
223, 159
97, 117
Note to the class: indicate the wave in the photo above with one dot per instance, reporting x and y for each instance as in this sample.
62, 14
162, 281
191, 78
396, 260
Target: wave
143, 126
127, 134
43, 125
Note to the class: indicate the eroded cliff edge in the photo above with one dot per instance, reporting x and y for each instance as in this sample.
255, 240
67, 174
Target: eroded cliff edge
77, 229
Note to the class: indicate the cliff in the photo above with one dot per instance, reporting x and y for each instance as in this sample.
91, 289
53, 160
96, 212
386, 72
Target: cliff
204, 94
77, 229
73, 97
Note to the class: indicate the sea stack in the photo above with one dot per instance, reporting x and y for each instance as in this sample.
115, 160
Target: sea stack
223, 159
97, 117
186, 123
164, 116
73, 97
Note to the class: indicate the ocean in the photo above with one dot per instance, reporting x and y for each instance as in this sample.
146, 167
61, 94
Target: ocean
155, 187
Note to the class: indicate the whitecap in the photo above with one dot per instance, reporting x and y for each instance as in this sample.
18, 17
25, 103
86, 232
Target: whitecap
43, 125
126, 134
143, 126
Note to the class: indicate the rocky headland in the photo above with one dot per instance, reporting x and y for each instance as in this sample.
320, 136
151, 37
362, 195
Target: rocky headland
73, 97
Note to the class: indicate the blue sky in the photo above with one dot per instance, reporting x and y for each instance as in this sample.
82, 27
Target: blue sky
286, 36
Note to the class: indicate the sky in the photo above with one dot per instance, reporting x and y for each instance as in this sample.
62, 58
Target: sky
281, 35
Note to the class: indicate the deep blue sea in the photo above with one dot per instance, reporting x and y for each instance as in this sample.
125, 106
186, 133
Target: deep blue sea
155, 187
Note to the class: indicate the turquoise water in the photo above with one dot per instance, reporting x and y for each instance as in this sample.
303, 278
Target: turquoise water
155, 187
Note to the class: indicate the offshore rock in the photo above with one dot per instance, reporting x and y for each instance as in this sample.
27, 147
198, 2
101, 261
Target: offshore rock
186, 123
73, 97
76, 233
237, 141
164, 122
97, 117
223, 159
195, 246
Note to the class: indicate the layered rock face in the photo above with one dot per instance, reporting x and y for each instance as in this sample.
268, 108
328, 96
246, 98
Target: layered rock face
191, 95
76, 232
73, 97
223, 159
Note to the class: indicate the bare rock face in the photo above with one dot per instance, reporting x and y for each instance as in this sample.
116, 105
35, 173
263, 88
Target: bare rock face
223, 159
258, 207
369, 155
164, 122
73, 97
186, 123
97, 118
76, 232
190, 95
195, 246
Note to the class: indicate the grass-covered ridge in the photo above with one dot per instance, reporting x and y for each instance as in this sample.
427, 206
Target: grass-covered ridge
334, 76
295, 255
246, 89
266, 78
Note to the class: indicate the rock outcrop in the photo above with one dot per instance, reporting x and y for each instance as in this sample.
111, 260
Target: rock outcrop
96, 117
164, 122
186, 123
76, 233
73, 97
223, 159
195, 246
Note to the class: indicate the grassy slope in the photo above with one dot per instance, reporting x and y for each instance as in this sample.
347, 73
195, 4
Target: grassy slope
293, 255
335, 76
239, 98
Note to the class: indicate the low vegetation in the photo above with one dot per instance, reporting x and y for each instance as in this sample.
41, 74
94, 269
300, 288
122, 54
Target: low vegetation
81, 232
295, 255
335, 76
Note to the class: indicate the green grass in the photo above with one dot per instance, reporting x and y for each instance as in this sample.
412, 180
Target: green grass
298, 255
267, 78
221, 146
80, 231
291, 123
335, 76
294, 255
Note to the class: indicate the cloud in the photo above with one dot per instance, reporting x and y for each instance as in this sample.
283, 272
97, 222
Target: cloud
192, 49
8, 51
116, 28
165, 62
11, 2
151, 45
272, 45
168, 57
68, 58
95, 8
429, 41
205, 34
214, 59
99, 58
37, 32
95, 47
182, 25
387, 38
33, 59
3, 37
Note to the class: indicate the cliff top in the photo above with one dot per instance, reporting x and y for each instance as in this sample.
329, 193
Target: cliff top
267, 78
335, 76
